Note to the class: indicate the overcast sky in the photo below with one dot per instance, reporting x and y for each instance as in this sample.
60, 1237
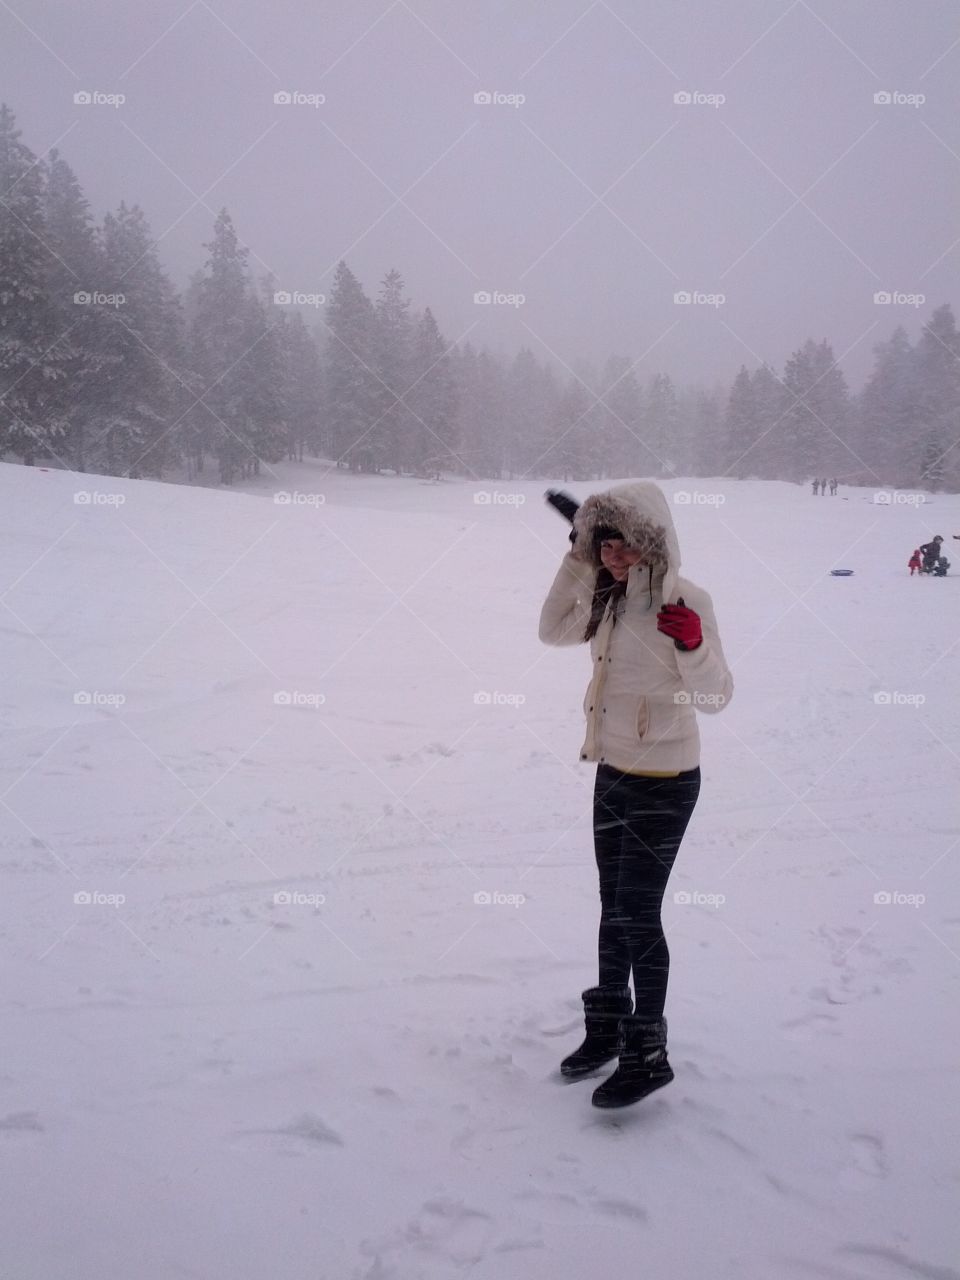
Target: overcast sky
599, 197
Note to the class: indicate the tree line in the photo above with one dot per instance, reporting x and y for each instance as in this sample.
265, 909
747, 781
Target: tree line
105, 368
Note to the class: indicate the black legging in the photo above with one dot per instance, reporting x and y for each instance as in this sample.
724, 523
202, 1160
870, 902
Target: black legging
638, 824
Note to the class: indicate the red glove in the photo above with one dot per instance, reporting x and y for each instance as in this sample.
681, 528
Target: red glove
681, 624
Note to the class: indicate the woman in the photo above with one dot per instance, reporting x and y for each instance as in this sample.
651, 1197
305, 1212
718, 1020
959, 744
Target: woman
657, 661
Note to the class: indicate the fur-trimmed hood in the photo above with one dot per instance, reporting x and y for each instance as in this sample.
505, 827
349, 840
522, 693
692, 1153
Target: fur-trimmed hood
639, 509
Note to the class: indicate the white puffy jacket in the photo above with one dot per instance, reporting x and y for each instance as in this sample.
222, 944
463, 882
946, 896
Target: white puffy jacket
642, 701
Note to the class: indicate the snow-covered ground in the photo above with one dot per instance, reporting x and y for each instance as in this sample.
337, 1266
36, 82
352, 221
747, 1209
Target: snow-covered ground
359, 1081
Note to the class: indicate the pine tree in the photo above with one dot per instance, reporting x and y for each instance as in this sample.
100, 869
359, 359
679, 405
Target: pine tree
524, 413
705, 435
303, 390
220, 342
661, 429
480, 404
34, 350
260, 381
620, 434
740, 426
75, 272
432, 399
393, 437
572, 454
136, 384
770, 402
886, 414
817, 417
352, 391
938, 398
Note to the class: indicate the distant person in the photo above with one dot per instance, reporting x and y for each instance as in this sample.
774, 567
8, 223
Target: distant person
816, 487
931, 553
657, 663
914, 562
823, 487
834, 485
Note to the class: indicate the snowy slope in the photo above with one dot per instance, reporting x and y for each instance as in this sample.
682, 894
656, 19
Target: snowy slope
358, 1080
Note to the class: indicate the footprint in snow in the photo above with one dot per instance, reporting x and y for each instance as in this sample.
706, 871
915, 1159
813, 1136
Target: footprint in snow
307, 1127
867, 1152
444, 1229
21, 1122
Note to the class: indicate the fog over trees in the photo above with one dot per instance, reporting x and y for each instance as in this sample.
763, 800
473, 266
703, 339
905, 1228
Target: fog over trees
104, 367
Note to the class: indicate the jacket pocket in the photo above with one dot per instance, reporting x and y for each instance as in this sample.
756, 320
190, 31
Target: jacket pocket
643, 717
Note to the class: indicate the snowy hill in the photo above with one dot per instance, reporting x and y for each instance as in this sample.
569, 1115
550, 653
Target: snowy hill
258, 757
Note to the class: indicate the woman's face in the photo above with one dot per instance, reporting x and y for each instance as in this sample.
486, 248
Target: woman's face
618, 558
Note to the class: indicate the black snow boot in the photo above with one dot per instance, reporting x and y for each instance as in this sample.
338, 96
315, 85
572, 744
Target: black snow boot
603, 1009
643, 1064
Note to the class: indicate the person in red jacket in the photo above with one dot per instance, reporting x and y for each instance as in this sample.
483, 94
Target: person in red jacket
914, 562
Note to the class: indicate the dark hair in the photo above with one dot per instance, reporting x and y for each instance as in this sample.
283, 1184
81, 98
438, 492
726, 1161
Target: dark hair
608, 590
